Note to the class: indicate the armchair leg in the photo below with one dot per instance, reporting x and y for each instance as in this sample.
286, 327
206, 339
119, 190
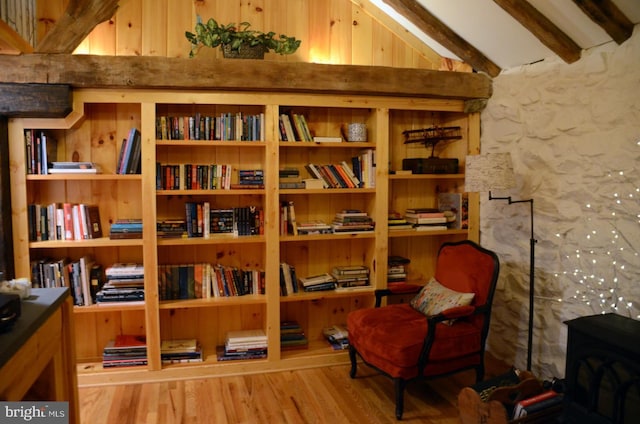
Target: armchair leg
354, 363
399, 387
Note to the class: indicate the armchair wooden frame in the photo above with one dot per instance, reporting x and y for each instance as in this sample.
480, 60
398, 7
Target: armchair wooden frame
480, 312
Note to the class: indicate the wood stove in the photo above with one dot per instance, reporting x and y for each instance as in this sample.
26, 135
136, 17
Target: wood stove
602, 370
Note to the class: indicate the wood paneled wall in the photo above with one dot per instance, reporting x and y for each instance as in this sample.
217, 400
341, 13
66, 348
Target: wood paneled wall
332, 31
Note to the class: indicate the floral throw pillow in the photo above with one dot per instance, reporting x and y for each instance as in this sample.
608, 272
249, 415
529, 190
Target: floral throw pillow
434, 298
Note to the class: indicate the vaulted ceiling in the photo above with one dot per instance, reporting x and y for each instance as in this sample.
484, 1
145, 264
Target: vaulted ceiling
488, 35
492, 35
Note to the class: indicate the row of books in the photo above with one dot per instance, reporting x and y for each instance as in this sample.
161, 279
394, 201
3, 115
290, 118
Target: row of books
204, 280
124, 283
226, 126
194, 177
63, 221
40, 150
82, 276
129, 159
202, 221
243, 344
294, 127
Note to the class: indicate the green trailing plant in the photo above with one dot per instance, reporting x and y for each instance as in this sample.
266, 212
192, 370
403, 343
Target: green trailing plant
211, 34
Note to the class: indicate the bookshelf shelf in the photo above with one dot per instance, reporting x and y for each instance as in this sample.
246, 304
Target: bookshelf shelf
217, 192
85, 177
327, 191
137, 196
316, 145
426, 177
80, 244
326, 237
211, 143
213, 239
414, 233
108, 308
329, 294
214, 301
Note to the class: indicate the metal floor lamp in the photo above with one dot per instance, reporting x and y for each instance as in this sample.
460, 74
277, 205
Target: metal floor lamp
494, 171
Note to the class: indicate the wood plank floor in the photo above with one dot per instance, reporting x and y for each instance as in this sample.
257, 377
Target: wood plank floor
317, 395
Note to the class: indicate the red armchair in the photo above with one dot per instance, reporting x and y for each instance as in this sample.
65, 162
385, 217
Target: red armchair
404, 344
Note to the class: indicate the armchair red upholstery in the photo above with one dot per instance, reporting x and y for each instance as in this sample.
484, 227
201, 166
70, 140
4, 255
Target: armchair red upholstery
405, 345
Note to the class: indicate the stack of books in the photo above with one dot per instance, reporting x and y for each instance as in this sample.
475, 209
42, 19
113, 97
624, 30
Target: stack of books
318, 282
74, 168
396, 269
337, 336
171, 228
351, 276
180, 351
126, 229
124, 283
249, 178
125, 351
292, 336
314, 227
397, 221
352, 221
243, 344
546, 400
290, 178
426, 219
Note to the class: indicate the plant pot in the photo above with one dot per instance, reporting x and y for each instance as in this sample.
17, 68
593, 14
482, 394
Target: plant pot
244, 52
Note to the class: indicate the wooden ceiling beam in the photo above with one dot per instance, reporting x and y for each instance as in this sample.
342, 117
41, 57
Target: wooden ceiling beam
436, 29
252, 75
75, 24
11, 42
35, 100
606, 14
542, 28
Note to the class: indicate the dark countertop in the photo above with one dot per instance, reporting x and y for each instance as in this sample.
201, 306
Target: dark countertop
34, 312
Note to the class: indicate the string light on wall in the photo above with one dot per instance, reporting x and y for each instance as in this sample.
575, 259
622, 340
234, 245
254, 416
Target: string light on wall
603, 269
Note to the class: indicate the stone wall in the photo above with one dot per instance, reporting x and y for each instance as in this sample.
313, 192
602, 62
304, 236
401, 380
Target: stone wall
573, 131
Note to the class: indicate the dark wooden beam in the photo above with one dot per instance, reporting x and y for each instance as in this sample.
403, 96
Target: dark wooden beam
436, 29
542, 28
251, 75
35, 100
75, 24
606, 14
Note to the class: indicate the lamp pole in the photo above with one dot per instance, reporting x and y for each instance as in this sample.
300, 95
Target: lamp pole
532, 244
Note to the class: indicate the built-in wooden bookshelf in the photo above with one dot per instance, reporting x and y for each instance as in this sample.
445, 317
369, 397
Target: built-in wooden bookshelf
101, 122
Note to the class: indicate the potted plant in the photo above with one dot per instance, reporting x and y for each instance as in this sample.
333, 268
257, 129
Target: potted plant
239, 41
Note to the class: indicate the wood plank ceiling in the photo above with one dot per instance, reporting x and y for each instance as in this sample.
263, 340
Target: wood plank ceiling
82, 16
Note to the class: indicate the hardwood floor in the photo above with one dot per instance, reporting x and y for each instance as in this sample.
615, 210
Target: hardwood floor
317, 395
